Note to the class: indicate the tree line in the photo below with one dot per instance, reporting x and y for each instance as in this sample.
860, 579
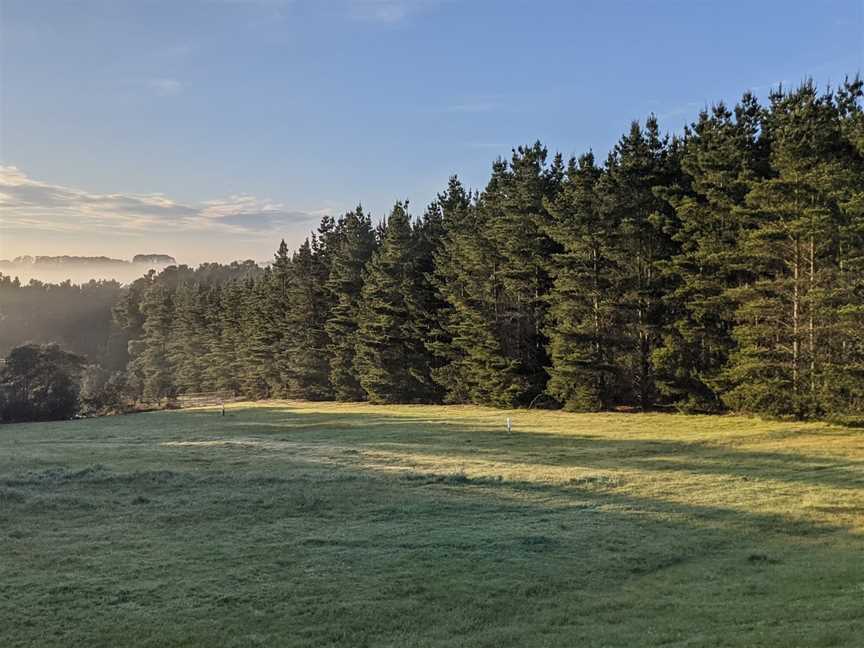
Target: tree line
78, 317
720, 269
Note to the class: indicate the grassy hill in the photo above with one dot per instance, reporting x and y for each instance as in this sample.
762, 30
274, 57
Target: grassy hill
291, 524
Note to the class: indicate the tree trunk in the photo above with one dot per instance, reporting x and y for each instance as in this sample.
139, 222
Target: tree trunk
810, 308
796, 316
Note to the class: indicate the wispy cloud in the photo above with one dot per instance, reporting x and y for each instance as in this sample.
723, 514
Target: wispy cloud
688, 110
373, 11
768, 87
266, 10
175, 51
165, 87
29, 204
387, 11
480, 145
265, 4
474, 106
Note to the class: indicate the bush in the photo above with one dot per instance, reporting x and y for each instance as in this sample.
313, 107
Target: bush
39, 383
102, 391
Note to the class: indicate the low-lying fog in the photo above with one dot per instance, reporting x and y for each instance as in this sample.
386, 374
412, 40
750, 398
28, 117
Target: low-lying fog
82, 269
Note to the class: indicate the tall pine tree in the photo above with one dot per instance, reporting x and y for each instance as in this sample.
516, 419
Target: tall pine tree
355, 246
642, 162
391, 360
583, 320
723, 154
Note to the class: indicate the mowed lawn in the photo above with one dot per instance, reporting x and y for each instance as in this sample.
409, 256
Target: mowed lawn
293, 524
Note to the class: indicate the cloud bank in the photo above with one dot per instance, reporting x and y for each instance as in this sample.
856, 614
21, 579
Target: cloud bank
32, 205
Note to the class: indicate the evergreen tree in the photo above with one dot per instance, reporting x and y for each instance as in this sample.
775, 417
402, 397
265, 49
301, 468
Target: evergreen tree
456, 265
640, 163
786, 320
722, 156
129, 318
257, 343
273, 317
390, 360
478, 370
305, 349
582, 319
496, 263
150, 358
516, 228
842, 391
424, 302
224, 364
354, 248
188, 339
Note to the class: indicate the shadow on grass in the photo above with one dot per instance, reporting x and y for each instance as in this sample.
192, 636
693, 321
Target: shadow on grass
470, 439
347, 558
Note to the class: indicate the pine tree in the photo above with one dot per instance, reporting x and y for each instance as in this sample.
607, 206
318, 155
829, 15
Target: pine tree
582, 316
273, 317
424, 302
149, 353
456, 265
641, 162
224, 363
257, 341
495, 263
390, 360
354, 248
784, 319
516, 228
188, 338
721, 158
842, 393
306, 362
477, 369
129, 318
209, 295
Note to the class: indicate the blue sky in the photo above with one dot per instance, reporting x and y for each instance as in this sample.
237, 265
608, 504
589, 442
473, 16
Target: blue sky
208, 129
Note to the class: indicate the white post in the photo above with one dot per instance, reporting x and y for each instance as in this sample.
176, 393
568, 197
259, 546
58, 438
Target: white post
509, 425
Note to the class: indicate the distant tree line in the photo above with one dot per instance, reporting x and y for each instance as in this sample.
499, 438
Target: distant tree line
76, 317
722, 269
65, 354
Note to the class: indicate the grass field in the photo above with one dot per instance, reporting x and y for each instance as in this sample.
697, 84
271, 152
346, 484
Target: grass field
289, 524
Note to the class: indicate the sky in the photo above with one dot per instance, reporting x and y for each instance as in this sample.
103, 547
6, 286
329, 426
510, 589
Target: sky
210, 129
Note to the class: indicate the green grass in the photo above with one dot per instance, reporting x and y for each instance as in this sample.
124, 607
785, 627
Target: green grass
289, 524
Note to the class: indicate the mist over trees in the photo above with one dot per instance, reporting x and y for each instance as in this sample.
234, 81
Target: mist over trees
78, 317
80, 269
719, 269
